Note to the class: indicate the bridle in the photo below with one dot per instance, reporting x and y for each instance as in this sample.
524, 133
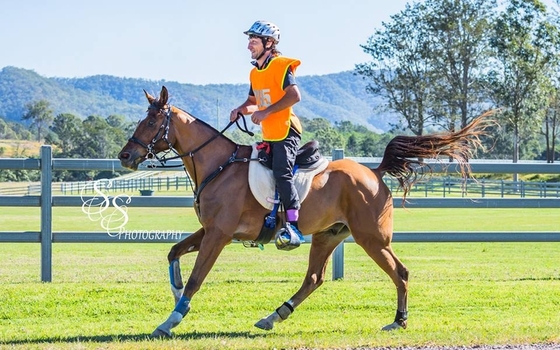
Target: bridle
163, 135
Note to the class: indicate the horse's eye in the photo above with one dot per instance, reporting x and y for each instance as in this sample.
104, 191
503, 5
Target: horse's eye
151, 122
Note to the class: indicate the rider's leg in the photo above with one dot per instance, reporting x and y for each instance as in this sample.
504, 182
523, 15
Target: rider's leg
283, 160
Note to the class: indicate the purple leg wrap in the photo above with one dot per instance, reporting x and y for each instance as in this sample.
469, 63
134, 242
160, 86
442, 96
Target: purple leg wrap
292, 215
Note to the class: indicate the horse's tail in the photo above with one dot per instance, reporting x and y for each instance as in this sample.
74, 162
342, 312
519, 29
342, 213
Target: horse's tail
459, 146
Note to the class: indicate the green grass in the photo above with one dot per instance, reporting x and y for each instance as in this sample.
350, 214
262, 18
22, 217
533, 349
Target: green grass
112, 296
184, 219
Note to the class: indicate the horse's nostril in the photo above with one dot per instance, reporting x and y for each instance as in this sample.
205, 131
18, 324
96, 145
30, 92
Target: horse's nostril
124, 155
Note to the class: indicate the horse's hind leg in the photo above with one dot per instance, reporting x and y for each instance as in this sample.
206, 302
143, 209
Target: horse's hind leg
383, 255
322, 246
187, 245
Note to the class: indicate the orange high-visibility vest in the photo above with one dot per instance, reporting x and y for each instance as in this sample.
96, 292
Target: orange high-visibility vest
267, 85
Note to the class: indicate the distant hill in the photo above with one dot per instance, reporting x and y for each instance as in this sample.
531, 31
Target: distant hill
335, 97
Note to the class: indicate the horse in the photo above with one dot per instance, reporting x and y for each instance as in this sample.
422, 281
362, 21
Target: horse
353, 199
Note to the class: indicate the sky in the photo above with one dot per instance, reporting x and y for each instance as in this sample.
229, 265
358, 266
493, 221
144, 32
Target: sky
195, 42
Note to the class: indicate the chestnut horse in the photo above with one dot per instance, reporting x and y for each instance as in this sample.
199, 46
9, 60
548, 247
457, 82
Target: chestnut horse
353, 199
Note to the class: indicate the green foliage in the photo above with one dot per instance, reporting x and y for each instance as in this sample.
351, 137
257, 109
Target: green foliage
460, 32
242, 138
10, 130
551, 128
68, 130
427, 61
41, 116
8, 175
442, 63
372, 145
329, 139
526, 49
404, 87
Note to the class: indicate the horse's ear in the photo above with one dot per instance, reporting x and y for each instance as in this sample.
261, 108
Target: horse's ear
150, 98
163, 96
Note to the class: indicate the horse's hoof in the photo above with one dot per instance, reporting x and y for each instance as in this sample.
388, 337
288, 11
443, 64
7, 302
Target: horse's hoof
392, 327
264, 324
160, 333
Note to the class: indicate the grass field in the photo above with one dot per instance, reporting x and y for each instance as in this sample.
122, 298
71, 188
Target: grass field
112, 296
184, 219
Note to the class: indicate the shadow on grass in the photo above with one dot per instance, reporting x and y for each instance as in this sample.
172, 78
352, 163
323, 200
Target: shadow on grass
137, 338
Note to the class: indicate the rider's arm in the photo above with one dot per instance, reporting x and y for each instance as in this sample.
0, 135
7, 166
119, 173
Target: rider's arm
248, 107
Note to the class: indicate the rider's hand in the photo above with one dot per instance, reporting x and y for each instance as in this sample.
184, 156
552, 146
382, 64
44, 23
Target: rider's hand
258, 116
234, 114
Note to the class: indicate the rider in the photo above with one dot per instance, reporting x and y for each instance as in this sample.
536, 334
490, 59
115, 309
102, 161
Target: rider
272, 94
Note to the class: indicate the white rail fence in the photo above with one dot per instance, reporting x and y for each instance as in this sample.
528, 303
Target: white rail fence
546, 195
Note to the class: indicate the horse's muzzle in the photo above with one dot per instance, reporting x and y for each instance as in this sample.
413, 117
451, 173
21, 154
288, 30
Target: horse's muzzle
130, 160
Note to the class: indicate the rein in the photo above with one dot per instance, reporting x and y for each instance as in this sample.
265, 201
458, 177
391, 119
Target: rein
163, 134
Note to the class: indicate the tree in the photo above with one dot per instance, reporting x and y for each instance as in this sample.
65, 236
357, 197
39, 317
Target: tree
551, 128
552, 116
316, 124
98, 138
329, 139
400, 69
41, 116
525, 46
6, 131
352, 145
459, 31
121, 131
70, 133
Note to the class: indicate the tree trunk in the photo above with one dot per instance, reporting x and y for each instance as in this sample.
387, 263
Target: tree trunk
515, 151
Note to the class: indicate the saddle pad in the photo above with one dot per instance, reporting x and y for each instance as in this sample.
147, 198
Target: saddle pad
262, 182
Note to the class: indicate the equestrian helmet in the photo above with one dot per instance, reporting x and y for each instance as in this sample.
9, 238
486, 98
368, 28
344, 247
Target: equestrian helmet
264, 29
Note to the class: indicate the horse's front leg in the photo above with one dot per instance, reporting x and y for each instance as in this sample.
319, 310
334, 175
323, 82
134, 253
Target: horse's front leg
210, 248
188, 245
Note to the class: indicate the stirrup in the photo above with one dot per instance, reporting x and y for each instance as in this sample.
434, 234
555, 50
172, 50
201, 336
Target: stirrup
288, 238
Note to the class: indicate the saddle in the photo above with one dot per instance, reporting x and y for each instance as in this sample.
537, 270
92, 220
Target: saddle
309, 160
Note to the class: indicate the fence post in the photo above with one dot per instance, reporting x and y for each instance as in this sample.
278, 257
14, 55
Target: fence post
338, 254
46, 214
